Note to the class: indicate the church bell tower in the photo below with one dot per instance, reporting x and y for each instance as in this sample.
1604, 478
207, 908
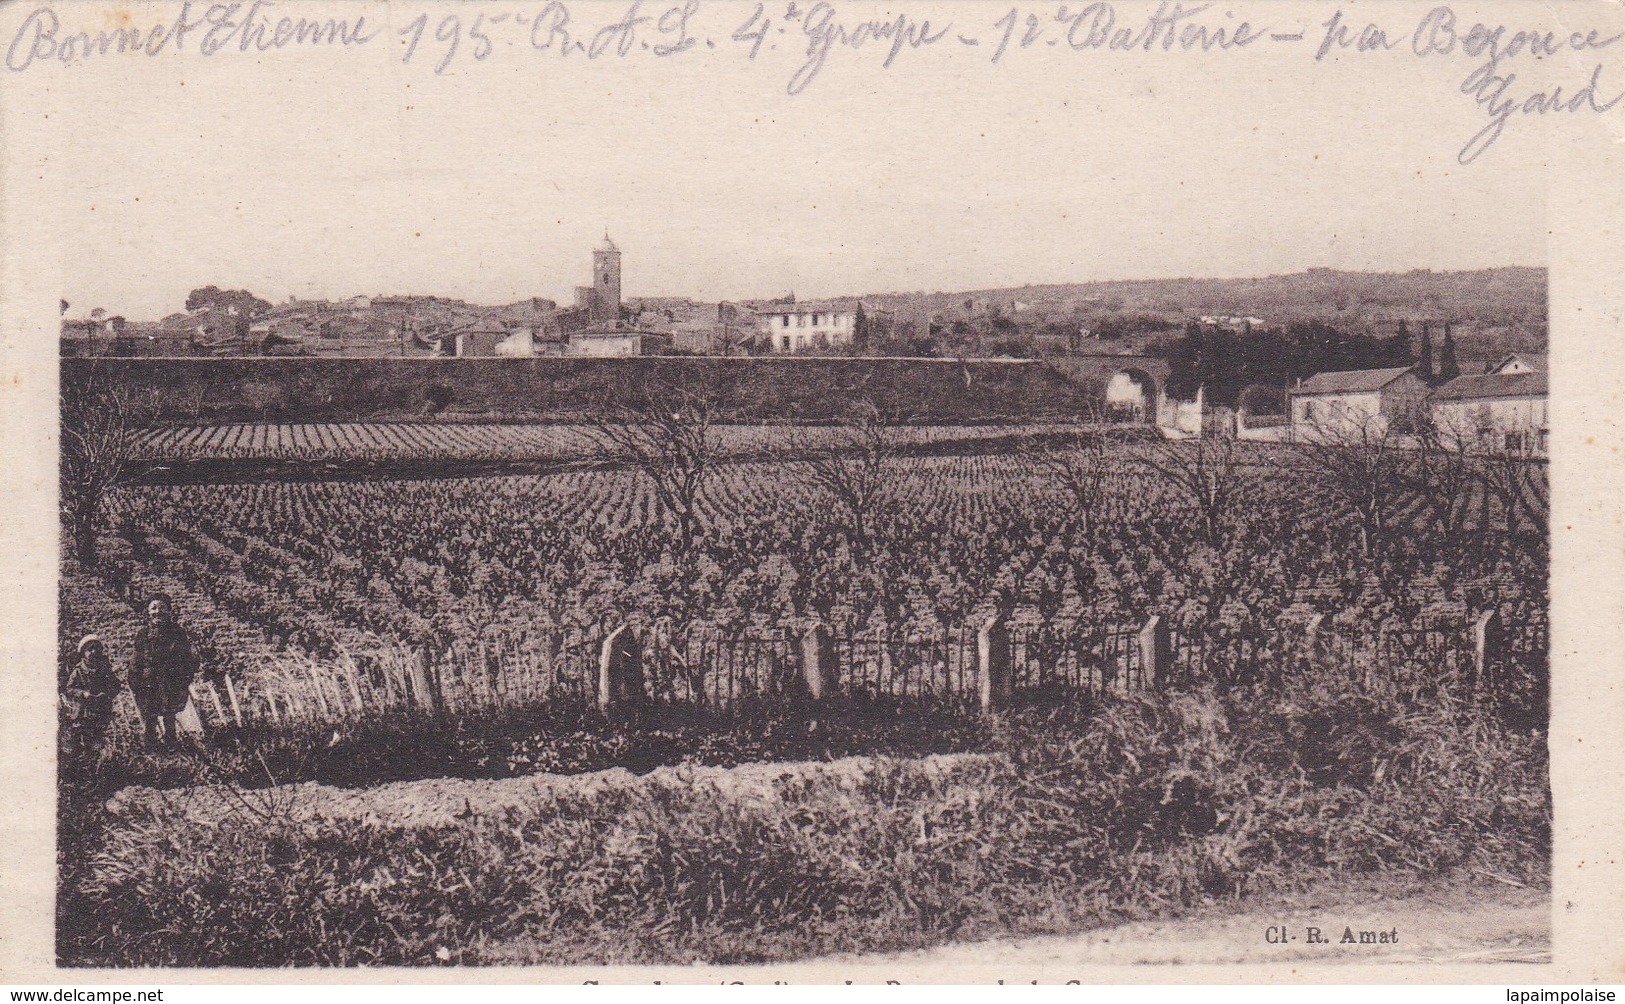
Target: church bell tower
606, 281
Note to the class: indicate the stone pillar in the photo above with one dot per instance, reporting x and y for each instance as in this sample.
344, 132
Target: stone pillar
1156, 652
424, 691
187, 719
620, 672
818, 662
236, 706
214, 700
1486, 647
993, 663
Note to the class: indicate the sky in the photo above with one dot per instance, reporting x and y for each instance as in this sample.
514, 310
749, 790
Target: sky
327, 173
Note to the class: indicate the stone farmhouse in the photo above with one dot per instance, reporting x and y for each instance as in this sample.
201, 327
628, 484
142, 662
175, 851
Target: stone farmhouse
1503, 410
1500, 411
1357, 402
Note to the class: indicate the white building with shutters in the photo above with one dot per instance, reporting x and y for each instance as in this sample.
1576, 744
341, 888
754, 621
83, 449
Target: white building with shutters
802, 327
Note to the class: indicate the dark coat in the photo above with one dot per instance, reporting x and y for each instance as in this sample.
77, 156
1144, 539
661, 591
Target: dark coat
88, 696
162, 670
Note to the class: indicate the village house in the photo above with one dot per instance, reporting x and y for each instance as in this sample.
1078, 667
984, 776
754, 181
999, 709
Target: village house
284, 328
616, 342
1357, 402
548, 342
797, 327
490, 338
1501, 411
478, 339
519, 343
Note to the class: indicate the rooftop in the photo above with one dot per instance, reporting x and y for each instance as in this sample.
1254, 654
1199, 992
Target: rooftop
603, 332
1350, 381
1492, 385
1533, 360
486, 325
810, 307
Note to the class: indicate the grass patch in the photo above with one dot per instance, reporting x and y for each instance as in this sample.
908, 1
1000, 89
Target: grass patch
1148, 806
560, 738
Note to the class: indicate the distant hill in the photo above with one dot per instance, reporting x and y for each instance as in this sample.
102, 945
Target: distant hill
1515, 294
1490, 311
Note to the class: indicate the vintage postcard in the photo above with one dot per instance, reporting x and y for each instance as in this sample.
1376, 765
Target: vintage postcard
695, 490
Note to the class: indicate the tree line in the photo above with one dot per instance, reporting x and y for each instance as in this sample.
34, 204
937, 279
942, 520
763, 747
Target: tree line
1227, 362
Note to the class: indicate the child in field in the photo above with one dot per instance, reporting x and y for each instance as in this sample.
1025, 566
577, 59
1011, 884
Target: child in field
87, 702
161, 672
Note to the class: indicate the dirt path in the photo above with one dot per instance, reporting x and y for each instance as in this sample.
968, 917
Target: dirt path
1454, 922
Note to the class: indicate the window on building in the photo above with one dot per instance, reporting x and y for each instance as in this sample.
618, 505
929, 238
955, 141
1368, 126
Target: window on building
1309, 411
801, 320
1514, 442
816, 319
786, 345
1540, 440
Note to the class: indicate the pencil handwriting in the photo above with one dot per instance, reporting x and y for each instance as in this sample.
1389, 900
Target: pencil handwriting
1508, 72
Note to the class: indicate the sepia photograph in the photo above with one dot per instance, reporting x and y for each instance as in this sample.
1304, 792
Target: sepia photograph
681, 513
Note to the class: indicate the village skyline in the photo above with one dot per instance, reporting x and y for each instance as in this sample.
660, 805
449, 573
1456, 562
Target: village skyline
637, 290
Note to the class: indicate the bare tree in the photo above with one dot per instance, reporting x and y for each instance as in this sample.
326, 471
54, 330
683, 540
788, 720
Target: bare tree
667, 434
1441, 474
857, 470
1206, 472
102, 426
1515, 478
1084, 468
1359, 464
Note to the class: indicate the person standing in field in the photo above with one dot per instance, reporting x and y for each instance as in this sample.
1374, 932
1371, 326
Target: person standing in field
87, 702
161, 672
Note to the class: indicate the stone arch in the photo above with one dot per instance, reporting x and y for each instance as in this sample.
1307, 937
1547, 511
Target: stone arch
1131, 396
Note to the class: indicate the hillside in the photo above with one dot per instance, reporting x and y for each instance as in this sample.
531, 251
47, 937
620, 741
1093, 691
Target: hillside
1511, 295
